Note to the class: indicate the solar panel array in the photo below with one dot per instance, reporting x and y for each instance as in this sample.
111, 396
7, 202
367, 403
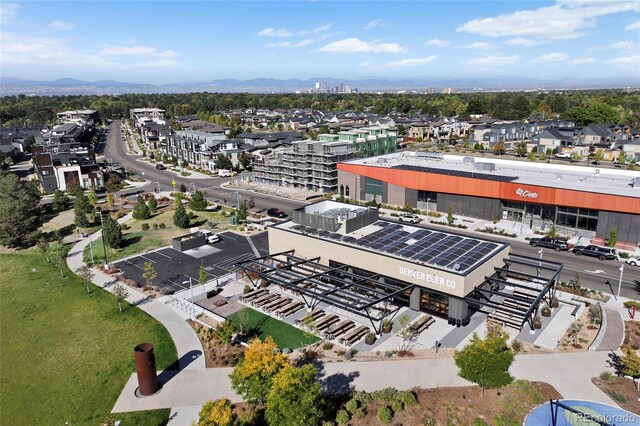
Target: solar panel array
460, 173
430, 247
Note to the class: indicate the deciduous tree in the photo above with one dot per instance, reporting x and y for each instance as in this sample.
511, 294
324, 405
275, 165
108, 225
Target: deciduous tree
121, 293
216, 413
149, 273
86, 275
43, 247
294, 397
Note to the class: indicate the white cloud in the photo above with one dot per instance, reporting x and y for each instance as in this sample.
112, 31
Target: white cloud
318, 30
61, 25
633, 26
624, 45
115, 50
588, 60
550, 57
411, 62
436, 42
158, 63
365, 64
521, 41
563, 20
494, 60
376, 23
289, 44
24, 49
272, 32
626, 60
355, 45
479, 45
9, 12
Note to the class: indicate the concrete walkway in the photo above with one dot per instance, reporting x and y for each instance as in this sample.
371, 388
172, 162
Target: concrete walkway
613, 329
187, 343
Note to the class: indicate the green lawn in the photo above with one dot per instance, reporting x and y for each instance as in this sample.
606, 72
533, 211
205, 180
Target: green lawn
134, 242
261, 325
66, 354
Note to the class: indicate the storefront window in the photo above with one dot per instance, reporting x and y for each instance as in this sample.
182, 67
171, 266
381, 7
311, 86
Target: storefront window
434, 303
573, 217
373, 187
428, 196
566, 220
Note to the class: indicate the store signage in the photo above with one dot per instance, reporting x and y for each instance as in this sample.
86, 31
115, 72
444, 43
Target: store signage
526, 194
433, 279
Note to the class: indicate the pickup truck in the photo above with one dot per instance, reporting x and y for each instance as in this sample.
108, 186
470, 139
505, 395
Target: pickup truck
602, 253
210, 236
563, 155
553, 243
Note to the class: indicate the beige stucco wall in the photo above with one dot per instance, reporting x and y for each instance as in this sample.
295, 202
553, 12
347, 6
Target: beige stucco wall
431, 278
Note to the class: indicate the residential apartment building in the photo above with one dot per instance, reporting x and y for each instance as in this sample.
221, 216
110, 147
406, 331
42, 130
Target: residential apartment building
82, 116
311, 165
151, 125
200, 149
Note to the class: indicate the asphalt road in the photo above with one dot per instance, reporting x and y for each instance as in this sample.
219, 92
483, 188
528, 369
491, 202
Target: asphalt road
593, 272
116, 152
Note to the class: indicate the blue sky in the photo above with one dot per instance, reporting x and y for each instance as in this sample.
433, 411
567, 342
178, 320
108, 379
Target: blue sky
167, 42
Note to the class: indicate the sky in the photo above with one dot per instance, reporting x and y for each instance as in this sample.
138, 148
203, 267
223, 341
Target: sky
177, 42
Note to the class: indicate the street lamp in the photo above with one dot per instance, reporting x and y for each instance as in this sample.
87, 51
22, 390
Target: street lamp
104, 246
620, 281
540, 264
158, 183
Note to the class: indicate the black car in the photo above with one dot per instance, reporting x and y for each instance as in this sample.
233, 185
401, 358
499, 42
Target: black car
553, 243
160, 167
276, 213
602, 253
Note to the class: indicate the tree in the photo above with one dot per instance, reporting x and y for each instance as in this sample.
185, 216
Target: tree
623, 157
598, 156
111, 199
203, 277
198, 201
79, 212
183, 188
521, 149
121, 293
149, 273
112, 233
19, 211
141, 210
86, 275
242, 212
498, 148
245, 159
630, 363
553, 232
406, 333
576, 156
223, 162
177, 198
152, 203
294, 397
216, 413
225, 332
450, 217
180, 218
43, 247
60, 200
92, 197
253, 376
613, 238
58, 252
574, 331
595, 314
486, 361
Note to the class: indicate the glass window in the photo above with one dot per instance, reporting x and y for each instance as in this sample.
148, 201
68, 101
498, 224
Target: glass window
427, 196
373, 186
566, 220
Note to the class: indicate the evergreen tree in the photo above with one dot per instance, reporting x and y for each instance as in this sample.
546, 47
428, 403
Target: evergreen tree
19, 211
60, 200
92, 198
80, 211
112, 233
152, 203
198, 202
183, 188
223, 162
180, 218
141, 210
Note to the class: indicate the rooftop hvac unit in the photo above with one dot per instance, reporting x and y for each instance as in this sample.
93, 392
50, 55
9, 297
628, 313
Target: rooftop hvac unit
485, 167
635, 182
468, 160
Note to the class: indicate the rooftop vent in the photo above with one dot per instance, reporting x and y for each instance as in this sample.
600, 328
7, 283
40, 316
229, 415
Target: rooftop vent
486, 167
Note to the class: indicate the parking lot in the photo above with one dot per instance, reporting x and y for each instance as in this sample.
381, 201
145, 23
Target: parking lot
175, 268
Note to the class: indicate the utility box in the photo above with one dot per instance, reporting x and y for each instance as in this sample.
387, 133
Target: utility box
146, 369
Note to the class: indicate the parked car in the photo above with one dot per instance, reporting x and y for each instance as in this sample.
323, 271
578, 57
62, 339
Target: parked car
563, 155
273, 212
553, 243
633, 261
410, 218
210, 236
602, 253
160, 167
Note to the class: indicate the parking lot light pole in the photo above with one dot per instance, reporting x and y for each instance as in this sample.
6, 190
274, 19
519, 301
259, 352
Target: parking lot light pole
620, 281
190, 288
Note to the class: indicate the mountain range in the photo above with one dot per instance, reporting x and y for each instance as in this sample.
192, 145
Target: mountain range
70, 86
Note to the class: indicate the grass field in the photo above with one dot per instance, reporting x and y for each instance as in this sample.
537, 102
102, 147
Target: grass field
261, 325
66, 354
134, 242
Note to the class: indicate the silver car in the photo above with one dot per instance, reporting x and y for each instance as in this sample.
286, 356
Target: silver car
410, 218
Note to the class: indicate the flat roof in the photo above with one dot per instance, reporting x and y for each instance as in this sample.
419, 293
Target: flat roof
455, 253
577, 178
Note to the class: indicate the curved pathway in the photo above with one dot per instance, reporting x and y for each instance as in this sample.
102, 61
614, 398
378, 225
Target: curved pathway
187, 343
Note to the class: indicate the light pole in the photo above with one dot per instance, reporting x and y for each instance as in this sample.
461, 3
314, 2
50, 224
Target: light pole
158, 183
540, 264
190, 288
104, 246
620, 281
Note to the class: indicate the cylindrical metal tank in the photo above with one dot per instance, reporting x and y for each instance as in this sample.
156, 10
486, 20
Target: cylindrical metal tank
146, 369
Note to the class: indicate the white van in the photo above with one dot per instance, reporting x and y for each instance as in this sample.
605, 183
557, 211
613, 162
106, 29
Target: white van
210, 236
225, 173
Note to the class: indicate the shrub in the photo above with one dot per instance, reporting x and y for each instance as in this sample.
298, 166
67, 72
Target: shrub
351, 406
516, 345
360, 413
328, 423
385, 415
162, 225
606, 375
327, 346
342, 418
397, 406
370, 339
155, 226
348, 354
362, 396
145, 226
619, 397
631, 303
479, 422
386, 394
408, 398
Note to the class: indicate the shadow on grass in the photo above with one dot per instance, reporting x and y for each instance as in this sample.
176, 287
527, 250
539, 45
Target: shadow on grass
133, 239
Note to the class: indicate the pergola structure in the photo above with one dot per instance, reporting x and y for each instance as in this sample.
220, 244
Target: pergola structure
367, 296
532, 282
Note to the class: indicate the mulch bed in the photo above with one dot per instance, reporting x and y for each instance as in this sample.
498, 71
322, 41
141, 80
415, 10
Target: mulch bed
632, 333
621, 390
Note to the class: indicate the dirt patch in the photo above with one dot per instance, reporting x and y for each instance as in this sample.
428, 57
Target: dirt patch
583, 339
217, 354
632, 334
585, 292
621, 390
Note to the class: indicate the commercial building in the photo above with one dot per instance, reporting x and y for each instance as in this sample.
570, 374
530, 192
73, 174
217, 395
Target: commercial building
585, 201
311, 165
346, 256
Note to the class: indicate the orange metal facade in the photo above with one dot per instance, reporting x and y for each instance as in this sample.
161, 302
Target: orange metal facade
501, 190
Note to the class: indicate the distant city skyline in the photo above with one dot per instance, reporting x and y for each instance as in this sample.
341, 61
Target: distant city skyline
175, 42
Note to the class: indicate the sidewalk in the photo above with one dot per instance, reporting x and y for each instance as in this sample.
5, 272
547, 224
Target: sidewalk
187, 343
